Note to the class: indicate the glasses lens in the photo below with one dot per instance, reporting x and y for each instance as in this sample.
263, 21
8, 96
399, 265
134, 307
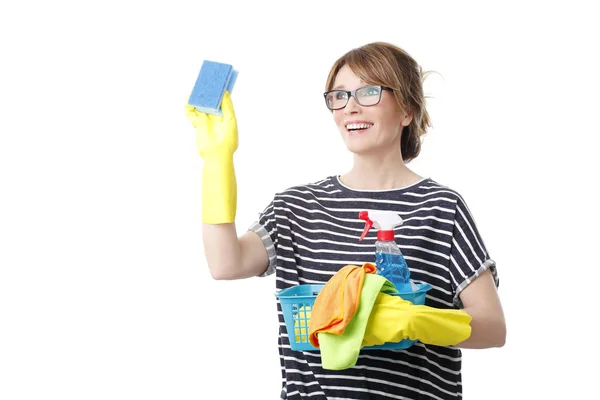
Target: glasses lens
368, 95
336, 99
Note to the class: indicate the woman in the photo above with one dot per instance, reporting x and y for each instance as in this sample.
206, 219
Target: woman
309, 232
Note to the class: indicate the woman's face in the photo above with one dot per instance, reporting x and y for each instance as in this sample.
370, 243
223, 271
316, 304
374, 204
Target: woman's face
379, 126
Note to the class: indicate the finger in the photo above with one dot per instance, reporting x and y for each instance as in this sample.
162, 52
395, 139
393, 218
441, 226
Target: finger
227, 106
194, 116
189, 110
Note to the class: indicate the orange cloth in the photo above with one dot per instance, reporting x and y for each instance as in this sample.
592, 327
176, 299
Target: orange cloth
338, 301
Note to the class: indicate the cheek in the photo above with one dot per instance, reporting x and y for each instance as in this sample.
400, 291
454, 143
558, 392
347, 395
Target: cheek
390, 119
338, 117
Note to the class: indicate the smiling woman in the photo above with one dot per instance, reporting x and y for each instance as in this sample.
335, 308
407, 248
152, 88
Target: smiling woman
309, 232
388, 69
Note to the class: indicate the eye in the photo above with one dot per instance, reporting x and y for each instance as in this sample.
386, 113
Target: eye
339, 95
371, 91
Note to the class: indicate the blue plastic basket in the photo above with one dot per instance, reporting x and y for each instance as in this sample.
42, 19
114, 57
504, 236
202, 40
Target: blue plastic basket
297, 302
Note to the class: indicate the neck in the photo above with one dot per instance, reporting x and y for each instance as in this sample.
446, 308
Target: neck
381, 172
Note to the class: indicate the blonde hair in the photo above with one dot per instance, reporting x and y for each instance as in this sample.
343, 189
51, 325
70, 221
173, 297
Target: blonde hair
384, 64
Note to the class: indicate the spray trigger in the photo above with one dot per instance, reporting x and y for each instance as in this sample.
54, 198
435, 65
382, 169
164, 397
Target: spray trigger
364, 215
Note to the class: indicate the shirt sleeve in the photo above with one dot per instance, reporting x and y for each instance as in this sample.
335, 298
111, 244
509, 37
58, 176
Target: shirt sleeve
266, 228
469, 257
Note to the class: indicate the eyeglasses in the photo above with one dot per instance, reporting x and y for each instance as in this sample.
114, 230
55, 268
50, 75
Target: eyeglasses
365, 96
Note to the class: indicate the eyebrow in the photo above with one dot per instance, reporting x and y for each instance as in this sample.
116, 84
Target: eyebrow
340, 87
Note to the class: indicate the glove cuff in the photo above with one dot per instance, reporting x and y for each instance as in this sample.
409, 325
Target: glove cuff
219, 191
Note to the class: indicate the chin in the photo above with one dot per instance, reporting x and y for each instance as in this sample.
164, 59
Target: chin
359, 144
358, 148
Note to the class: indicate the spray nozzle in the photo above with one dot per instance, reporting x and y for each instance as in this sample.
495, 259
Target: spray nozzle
382, 220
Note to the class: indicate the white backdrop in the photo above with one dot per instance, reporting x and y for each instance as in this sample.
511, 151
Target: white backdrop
104, 291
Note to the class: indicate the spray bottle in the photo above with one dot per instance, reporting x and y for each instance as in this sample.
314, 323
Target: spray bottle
388, 258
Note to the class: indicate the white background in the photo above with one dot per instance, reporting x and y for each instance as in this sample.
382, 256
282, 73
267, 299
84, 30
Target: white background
104, 291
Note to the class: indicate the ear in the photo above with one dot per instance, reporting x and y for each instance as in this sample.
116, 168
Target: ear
408, 117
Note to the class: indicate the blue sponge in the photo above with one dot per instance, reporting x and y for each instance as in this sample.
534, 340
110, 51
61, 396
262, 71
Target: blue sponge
214, 78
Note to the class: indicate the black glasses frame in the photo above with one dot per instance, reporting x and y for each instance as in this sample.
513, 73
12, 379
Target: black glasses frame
352, 93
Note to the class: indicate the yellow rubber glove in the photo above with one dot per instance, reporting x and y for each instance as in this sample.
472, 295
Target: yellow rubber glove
217, 140
393, 319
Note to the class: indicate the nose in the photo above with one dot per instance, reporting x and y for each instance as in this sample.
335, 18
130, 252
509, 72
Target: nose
352, 107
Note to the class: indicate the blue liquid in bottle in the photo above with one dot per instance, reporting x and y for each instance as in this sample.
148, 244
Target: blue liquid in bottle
393, 267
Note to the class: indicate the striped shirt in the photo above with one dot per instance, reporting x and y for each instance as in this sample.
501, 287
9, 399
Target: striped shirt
312, 231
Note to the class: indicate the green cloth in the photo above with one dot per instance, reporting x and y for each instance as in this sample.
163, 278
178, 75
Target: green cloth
341, 351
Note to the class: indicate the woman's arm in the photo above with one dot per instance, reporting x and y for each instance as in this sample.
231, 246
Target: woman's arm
229, 257
481, 302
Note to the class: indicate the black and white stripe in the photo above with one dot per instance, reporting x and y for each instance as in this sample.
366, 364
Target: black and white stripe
312, 231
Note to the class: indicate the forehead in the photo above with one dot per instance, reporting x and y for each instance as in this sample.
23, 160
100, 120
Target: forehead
346, 79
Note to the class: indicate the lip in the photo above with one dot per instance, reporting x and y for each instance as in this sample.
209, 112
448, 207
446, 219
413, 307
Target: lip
362, 121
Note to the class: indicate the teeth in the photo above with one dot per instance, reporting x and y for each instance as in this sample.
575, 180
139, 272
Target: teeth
358, 126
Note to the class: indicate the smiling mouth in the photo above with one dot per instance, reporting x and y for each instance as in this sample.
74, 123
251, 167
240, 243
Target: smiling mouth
358, 128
